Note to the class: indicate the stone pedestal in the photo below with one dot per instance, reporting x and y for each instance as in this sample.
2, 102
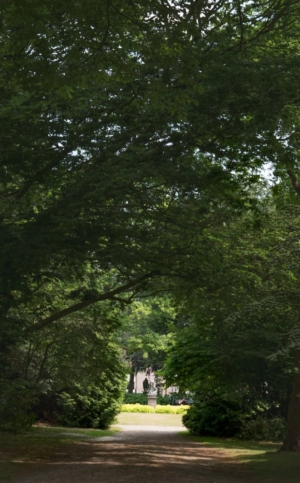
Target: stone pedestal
152, 400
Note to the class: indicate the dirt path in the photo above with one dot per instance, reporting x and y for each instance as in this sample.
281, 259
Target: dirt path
143, 454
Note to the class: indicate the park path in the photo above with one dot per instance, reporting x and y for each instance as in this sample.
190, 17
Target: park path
137, 454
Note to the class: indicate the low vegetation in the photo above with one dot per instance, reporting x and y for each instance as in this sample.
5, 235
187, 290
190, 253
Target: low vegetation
141, 398
38, 445
151, 419
221, 418
261, 459
164, 409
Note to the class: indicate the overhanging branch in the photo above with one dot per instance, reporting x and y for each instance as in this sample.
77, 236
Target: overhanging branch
85, 303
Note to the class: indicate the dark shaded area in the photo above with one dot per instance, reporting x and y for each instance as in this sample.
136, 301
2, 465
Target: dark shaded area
142, 456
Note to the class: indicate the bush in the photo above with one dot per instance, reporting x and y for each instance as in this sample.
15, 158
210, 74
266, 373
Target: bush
263, 429
140, 408
167, 409
135, 399
16, 401
142, 399
222, 418
163, 400
86, 407
136, 408
89, 408
214, 418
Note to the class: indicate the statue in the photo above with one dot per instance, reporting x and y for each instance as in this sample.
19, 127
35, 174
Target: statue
152, 391
146, 385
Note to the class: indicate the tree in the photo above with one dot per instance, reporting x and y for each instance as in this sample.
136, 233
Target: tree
124, 125
241, 336
92, 159
145, 334
72, 374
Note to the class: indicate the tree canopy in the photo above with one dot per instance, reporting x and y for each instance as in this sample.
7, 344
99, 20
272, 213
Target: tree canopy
129, 131
104, 107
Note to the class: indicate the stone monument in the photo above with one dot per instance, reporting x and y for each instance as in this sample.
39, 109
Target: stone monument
152, 395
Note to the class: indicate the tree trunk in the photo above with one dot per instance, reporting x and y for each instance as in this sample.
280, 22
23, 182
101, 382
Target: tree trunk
130, 387
292, 438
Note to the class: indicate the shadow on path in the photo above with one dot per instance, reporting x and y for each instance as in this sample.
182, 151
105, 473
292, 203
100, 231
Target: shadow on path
136, 454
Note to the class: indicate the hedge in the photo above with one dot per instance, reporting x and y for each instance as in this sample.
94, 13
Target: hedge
140, 408
135, 399
171, 409
142, 399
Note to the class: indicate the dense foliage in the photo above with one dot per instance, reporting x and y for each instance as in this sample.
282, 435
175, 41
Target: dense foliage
73, 375
221, 418
132, 132
145, 335
238, 344
143, 400
214, 418
98, 174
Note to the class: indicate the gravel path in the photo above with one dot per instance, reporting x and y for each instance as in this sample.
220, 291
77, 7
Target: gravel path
143, 454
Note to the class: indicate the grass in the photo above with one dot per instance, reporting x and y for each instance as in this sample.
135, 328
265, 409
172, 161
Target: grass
43, 443
39, 444
150, 419
261, 459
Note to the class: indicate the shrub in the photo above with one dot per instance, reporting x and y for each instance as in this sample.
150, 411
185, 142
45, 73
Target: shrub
86, 407
136, 408
140, 408
222, 418
163, 400
142, 399
214, 418
135, 399
263, 429
167, 409
16, 401
90, 408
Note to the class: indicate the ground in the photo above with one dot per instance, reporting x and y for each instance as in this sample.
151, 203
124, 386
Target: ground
144, 454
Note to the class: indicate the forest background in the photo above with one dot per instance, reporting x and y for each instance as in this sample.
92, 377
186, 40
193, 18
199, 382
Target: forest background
134, 141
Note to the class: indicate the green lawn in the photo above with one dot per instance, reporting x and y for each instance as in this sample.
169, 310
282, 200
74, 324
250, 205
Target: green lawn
150, 419
39, 444
261, 459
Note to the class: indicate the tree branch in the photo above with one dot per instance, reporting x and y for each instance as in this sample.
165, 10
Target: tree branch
85, 303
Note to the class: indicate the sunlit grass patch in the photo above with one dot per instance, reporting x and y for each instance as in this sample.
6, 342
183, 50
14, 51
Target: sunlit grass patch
150, 419
70, 433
